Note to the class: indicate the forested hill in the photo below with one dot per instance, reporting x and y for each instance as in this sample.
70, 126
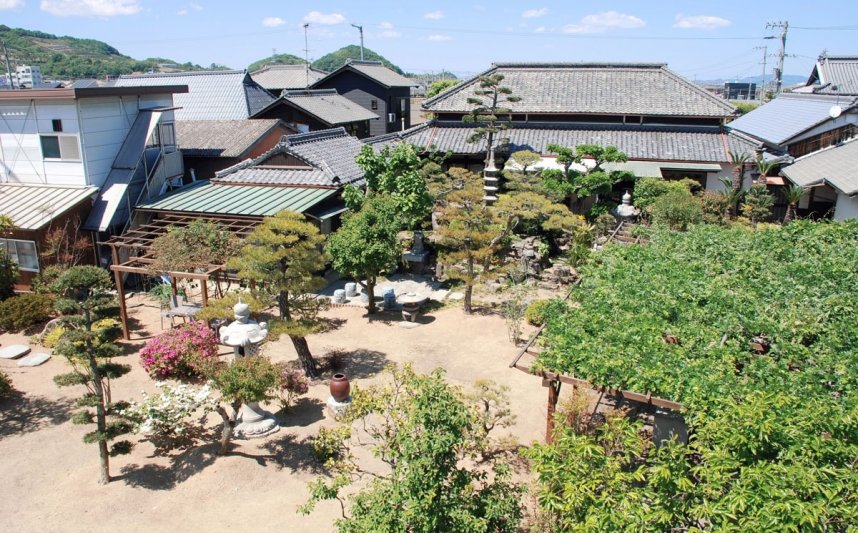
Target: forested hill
64, 58
334, 60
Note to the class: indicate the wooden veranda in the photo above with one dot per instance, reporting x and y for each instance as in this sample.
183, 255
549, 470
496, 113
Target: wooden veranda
135, 246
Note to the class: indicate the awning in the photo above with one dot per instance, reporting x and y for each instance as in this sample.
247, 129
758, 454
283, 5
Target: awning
652, 169
33, 206
774, 180
329, 212
705, 167
245, 200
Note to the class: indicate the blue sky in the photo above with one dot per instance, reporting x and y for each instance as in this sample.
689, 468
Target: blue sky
701, 40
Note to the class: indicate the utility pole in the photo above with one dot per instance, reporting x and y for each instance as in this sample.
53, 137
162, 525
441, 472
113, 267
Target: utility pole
360, 29
8, 68
306, 56
765, 50
779, 70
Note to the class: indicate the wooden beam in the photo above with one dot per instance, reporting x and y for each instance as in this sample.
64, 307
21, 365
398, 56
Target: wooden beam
120, 288
204, 288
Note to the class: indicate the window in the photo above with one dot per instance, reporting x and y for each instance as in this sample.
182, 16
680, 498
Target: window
21, 252
167, 133
373, 104
57, 124
60, 147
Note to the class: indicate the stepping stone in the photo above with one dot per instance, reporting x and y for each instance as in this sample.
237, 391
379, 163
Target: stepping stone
14, 351
35, 359
456, 296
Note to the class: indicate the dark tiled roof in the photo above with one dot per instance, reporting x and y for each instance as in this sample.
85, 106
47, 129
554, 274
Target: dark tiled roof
787, 116
279, 77
835, 75
221, 138
328, 106
661, 143
835, 166
212, 95
374, 70
330, 154
591, 88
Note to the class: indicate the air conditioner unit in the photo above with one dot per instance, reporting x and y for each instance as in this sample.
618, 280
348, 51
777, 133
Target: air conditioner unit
391, 117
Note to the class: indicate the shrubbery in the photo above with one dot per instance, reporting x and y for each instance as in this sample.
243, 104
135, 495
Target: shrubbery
164, 417
647, 190
180, 352
535, 314
25, 310
676, 208
5, 384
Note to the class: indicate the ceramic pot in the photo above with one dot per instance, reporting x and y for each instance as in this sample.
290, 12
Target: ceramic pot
340, 387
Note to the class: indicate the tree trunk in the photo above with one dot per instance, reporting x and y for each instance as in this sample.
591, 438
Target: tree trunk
790, 214
738, 175
370, 294
228, 426
469, 287
304, 355
100, 410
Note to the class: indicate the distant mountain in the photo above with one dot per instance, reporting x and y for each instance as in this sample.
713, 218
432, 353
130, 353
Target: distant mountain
65, 57
334, 60
789, 79
276, 59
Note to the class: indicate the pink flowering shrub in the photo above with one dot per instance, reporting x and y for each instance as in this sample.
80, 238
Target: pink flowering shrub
291, 384
180, 352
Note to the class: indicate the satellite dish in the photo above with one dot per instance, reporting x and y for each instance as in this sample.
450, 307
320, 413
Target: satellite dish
835, 111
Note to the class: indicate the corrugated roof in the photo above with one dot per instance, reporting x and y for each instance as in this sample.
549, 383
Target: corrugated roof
32, 207
246, 200
591, 88
835, 75
374, 70
279, 77
221, 138
332, 152
660, 143
787, 116
328, 106
836, 166
212, 95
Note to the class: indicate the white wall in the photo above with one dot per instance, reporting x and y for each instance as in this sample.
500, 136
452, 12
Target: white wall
105, 123
21, 122
846, 208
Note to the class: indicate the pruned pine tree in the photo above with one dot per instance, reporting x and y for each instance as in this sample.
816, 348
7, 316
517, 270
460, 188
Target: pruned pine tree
284, 256
490, 113
85, 298
577, 184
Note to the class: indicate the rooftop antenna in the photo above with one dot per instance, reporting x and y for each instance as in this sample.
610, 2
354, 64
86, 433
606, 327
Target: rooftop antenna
360, 29
306, 55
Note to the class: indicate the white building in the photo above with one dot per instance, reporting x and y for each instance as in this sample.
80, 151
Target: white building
26, 76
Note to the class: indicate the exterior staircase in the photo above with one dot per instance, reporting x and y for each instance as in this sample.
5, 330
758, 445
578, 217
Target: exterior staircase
623, 234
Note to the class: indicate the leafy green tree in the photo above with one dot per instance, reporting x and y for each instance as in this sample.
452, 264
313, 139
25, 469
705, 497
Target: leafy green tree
394, 171
425, 430
440, 86
677, 209
365, 246
245, 380
793, 195
334, 60
200, 244
283, 255
525, 159
576, 184
276, 59
758, 202
490, 116
86, 297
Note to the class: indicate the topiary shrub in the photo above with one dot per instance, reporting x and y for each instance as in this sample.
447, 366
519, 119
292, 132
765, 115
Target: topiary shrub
677, 209
5, 385
181, 352
25, 310
536, 312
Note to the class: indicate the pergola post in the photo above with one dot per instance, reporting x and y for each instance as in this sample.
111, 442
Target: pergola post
120, 287
204, 287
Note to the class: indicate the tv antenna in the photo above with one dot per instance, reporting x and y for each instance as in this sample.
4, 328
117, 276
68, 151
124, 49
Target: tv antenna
360, 29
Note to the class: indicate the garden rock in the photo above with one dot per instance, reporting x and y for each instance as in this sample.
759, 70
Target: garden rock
14, 351
35, 359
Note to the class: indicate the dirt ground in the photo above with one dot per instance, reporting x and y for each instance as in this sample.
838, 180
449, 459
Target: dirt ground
49, 476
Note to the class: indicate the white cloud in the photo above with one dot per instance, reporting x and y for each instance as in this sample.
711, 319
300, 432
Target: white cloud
439, 37
434, 15
10, 4
600, 22
540, 29
191, 7
388, 30
273, 22
90, 8
535, 13
327, 19
182, 12
700, 22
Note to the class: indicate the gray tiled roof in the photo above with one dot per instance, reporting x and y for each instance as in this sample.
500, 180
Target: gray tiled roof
279, 77
328, 106
836, 166
661, 143
836, 75
375, 70
787, 116
212, 95
221, 138
591, 88
329, 154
